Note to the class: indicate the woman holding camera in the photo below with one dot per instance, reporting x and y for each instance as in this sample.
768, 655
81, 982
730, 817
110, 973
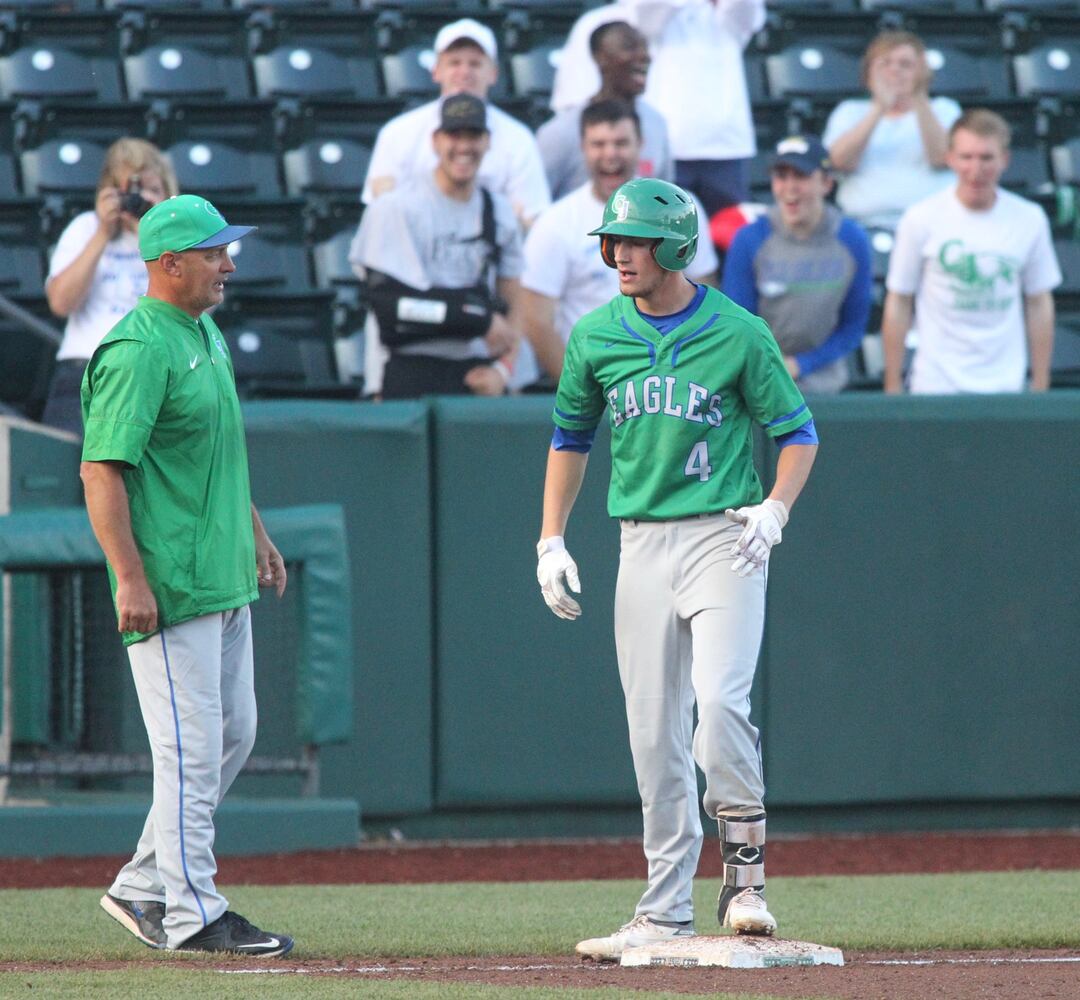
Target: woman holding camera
96, 274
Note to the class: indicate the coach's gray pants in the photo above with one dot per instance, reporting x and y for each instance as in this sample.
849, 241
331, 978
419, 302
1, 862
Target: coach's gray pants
686, 626
196, 690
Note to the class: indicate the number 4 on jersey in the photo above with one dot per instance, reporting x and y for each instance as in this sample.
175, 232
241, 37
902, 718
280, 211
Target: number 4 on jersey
697, 463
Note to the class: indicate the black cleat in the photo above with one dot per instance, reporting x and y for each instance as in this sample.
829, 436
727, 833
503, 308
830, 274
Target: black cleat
232, 933
143, 918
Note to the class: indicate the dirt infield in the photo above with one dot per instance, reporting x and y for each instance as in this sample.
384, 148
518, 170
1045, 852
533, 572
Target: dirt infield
1048, 975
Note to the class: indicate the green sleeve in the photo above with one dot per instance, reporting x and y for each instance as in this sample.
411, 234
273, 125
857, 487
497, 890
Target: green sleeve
579, 402
771, 396
122, 392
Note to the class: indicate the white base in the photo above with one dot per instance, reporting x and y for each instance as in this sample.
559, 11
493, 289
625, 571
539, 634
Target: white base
735, 951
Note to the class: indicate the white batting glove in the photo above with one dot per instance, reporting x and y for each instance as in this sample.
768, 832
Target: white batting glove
556, 571
764, 523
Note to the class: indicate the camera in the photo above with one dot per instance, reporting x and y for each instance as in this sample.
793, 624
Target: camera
132, 201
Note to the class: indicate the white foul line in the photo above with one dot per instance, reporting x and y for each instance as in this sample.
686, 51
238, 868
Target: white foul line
969, 961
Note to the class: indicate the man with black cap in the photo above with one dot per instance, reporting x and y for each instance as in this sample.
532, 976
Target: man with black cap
441, 258
465, 62
804, 269
166, 477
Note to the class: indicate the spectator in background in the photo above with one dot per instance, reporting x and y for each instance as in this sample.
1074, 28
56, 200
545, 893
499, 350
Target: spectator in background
96, 274
804, 269
978, 264
432, 253
622, 57
565, 276
696, 81
465, 63
892, 147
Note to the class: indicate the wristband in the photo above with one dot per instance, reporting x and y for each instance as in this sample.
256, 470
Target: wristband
503, 369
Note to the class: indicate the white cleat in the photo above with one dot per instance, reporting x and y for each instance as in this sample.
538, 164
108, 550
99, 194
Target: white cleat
748, 913
640, 931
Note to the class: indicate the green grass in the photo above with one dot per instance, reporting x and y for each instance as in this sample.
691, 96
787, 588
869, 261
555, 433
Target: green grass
874, 913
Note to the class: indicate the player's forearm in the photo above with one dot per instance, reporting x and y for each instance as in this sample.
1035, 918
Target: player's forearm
1039, 323
895, 324
562, 483
792, 470
110, 517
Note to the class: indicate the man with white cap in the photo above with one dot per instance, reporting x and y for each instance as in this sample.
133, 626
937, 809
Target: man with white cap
466, 62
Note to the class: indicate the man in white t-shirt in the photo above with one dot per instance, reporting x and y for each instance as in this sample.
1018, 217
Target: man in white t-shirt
696, 81
565, 276
976, 265
465, 63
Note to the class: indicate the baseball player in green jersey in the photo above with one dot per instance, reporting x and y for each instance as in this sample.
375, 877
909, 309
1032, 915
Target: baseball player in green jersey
166, 476
683, 374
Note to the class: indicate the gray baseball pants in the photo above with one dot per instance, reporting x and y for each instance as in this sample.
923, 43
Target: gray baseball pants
195, 683
687, 628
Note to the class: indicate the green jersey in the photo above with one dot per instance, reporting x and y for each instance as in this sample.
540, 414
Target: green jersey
681, 405
159, 395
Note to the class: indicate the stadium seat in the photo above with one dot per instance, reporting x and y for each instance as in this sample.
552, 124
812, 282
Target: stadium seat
331, 258
407, 73
307, 71
50, 72
219, 170
1050, 70
327, 166
1066, 162
1068, 255
801, 5
881, 244
180, 71
533, 72
1034, 6
1028, 171
963, 75
22, 273
933, 6
67, 167
285, 350
812, 70
266, 265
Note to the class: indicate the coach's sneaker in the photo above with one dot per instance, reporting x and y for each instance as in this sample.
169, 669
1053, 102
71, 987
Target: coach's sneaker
143, 918
641, 930
231, 932
747, 913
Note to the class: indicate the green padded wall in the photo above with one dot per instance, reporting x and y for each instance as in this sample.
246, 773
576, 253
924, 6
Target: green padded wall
529, 706
374, 461
924, 618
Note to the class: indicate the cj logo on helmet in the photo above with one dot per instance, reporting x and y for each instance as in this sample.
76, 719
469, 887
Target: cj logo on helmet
621, 207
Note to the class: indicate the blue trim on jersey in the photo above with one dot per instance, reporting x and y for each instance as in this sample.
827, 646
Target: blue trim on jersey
180, 769
786, 416
637, 336
665, 324
690, 336
579, 441
806, 434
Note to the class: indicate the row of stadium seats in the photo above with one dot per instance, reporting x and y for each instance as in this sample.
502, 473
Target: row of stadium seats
1053, 6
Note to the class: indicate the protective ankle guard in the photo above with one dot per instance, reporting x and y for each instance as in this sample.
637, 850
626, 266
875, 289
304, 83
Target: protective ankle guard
742, 839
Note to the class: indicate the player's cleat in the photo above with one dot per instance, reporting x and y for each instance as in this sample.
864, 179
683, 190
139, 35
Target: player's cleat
640, 931
741, 905
231, 932
747, 913
143, 918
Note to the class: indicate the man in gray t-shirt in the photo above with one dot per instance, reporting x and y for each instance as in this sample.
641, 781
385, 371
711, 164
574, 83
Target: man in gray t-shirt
622, 56
429, 234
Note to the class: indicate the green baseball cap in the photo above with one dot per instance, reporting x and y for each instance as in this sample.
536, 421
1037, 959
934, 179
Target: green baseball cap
185, 222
